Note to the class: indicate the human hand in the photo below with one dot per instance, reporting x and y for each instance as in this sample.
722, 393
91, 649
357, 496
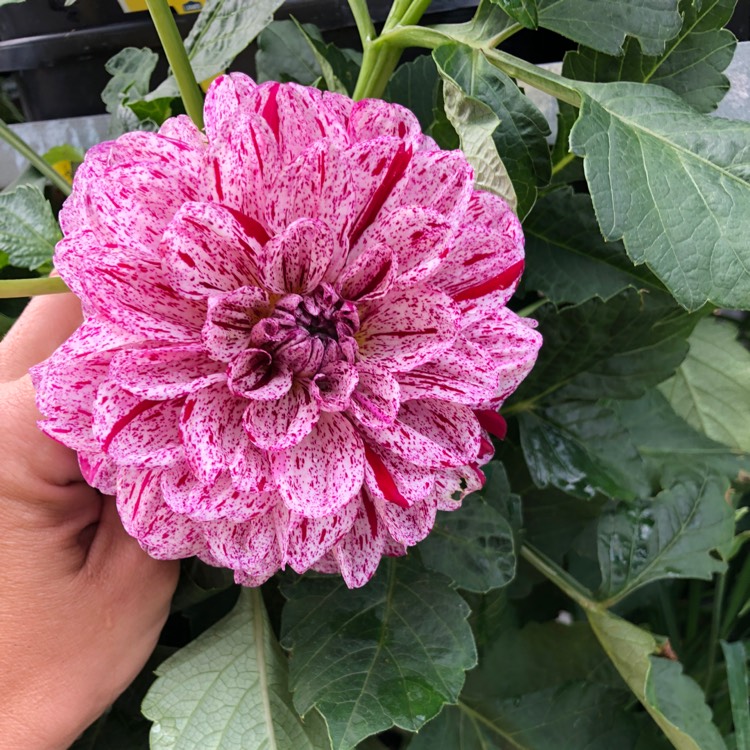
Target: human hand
81, 605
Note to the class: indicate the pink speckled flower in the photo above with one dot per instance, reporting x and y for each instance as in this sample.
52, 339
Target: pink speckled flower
296, 334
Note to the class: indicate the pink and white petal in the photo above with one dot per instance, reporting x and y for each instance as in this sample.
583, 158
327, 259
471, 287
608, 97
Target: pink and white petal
297, 117
376, 399
420, 239
99, 471
465, 373
439, 180
339, 106
134, 431
358, 553
256, 375
296, 260
164, 534
326, 564
227, 95
133, 295
453, 485
249, 466
304, 541
408, 526
373, 118
207, 251
73, 215
165, 372
376, 167
407, 328
332, 387
182, 128
490, 212
431, 433
324, 471
71, 254
204, 418
395, 481
276, 425
369, 277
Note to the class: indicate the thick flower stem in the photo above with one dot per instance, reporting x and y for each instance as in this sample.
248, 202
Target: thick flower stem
174, 49
27, 152
12, 288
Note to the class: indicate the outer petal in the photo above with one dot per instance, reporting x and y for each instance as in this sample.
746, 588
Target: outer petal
358, 553
453, 485
99, 471
208, 251
325, 471
275, 425
373, 118
431, 433
407, 328
408, 526
395, 481
182, 128
227, 95
296, 260
134, 431
165, 372
161, 532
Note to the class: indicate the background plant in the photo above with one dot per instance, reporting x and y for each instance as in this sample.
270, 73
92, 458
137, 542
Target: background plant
595, 593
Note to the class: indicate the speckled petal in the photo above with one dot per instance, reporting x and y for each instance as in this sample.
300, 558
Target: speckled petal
453, 485
227, 95
373, 118
332, 387
165, 372
370, 276
395, 481
358, 553
407, 328
325, 471
408, 526
98, 470
274, 425
376, 399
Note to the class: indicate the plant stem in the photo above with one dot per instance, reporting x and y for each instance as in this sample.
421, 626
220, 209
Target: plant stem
11, 288
566, 583
713, 642
27, 152
363, 21
737, 598
532, 308
174, 48
695, 591
558, 166
667, 609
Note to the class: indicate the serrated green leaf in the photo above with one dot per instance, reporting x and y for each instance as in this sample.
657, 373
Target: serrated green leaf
617, 349
711, 388
522, 11
673, 185
604, 24
692, 64
735, 658
501, 130
673, 699
474, 545
222, 30
131, 70
390, 653
567, 259
28, 228
670, 536
228, 688
284, 55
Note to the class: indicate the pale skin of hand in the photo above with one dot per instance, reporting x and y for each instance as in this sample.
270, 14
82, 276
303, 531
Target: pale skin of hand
81, 605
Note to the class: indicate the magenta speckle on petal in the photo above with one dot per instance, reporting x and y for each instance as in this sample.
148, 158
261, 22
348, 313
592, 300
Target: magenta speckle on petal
296, 337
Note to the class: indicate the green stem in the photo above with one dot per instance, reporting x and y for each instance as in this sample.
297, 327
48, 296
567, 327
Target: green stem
566, 583
363, 21
558, 166
11, 288
713, 642
670, 620
27, 152
695, 592
177, 56
532, 308
737, 598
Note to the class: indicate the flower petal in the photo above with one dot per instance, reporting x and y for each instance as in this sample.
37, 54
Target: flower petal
408, 526
358, 553
395, 481
333, 386
255, 375
373, 118
407, 328
370, 276
325, 471
274, 425
376, 399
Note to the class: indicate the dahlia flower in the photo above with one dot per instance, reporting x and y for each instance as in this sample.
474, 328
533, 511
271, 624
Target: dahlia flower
295, 336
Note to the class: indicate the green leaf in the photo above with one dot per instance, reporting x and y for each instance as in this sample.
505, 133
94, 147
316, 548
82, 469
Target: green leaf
711, 388
131, 70
566, 258
692, 64
155, 110
522, 11
415, 85
229, 687
673, 184
390, 653
489, 22
668, 445
603, 24
501, 130
737, 679
617, 349
65, 152
670, 536
673, 699
222, 30
474, 545
284, 54
28, 228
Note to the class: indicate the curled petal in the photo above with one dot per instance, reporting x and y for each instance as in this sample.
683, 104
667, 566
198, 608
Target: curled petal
254, 374
370, 276
376, 399
396, 481
333, 386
